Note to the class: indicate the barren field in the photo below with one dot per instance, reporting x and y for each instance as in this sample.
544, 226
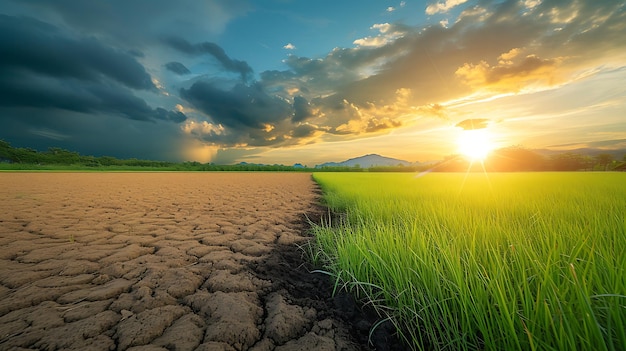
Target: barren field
166, 261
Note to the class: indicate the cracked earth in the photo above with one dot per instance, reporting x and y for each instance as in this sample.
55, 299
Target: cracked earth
168, 261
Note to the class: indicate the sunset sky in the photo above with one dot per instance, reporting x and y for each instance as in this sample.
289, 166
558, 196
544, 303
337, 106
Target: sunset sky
286, 81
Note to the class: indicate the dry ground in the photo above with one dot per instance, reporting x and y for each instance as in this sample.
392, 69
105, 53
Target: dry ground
166, 261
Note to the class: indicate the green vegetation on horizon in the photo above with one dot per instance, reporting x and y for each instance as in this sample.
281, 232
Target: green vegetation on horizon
504, 261
57, 159
510, 159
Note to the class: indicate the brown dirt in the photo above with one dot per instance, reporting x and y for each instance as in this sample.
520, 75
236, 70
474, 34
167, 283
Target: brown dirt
167, 261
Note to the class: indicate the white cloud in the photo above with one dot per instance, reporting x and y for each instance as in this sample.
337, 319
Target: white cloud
443, 6
530, 4
382, 27
392, 8
387, 34
371, 41
202, 128
289, 46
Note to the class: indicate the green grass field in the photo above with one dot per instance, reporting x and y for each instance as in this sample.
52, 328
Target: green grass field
505, 261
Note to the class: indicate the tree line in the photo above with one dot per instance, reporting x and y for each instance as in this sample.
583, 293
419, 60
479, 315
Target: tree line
510, 159
59, 156
54, 157
520, 159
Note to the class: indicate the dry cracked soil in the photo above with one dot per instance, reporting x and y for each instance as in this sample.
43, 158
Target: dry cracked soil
169, 261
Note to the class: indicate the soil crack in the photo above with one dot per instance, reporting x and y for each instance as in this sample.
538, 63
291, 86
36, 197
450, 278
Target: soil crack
139, 273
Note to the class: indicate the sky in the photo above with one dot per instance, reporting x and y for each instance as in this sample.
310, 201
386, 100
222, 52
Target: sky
295, 81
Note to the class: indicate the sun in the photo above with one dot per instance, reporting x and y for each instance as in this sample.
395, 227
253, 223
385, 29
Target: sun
475, 144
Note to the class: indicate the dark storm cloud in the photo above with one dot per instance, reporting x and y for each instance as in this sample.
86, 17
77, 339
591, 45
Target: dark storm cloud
249, 115
43, 67
36, 92
68, 74
214, 50
281, 81
177, 68
173, 116
31, 45
241, 107
473, 124
304, 131
94, 135
132, 107
302, 109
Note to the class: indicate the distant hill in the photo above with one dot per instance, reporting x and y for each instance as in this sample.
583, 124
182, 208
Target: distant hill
617, 154
614, 147
367, 161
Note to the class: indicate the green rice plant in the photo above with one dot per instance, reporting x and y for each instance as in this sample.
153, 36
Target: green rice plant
517, 261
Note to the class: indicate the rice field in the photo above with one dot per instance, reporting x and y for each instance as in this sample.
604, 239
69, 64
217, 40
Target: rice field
506, 261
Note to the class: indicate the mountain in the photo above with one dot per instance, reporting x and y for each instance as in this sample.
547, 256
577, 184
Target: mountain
366, 161
617, 154
614, 147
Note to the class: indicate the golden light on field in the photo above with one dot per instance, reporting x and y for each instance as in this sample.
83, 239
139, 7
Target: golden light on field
475, 144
